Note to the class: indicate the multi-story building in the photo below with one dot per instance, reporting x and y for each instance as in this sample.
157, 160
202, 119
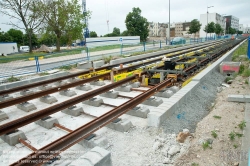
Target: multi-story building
157, 29
211, 17
232, 22
172, 30
241, 28
182, 30
247, 30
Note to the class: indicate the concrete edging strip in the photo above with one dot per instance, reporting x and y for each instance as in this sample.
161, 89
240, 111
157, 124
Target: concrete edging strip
155, 119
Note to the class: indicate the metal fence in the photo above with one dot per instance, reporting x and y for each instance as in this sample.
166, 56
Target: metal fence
21, 65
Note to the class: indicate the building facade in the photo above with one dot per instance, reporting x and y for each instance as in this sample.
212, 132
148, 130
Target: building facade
232, 22
182, 30
211, 17
241, 28
247, 30
172, 30
157, 29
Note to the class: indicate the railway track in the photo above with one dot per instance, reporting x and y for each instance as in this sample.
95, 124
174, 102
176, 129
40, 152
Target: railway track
41, 83
77, 135
26, 98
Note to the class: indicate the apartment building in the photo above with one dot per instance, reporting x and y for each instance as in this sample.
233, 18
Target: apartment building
211, 17
232, 21
172, 30
241, 28
157, 29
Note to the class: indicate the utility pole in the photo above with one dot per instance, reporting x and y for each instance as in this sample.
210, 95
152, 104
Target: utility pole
207, 19
86, 30
169, 25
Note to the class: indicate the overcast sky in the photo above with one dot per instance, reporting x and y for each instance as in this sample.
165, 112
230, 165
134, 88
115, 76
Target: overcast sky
155, 10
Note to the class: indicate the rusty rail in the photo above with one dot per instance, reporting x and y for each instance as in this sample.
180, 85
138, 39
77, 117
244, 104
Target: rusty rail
5, 128
25, 98
33, 85
109, 105
138, 90
77, 135
125, 97
27, 144
62, 127
28, 97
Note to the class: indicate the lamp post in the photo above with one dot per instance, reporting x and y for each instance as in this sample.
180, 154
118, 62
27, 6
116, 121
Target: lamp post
169, 25
207, 19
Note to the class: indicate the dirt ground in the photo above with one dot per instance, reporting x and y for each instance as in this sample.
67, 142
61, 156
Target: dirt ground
219, 151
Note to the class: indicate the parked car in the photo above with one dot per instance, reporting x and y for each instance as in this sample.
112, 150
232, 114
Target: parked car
24, 48
178, 40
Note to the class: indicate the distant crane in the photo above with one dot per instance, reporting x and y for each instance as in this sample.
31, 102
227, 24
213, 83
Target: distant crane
86, 30
107, 14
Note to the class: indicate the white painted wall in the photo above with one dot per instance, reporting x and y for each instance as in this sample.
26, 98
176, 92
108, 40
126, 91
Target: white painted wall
8, 48
235, 23
247, 30
103, 41
241, 28
211, 17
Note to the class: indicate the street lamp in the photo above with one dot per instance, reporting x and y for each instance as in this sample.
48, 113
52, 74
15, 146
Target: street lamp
207, 19
169, 25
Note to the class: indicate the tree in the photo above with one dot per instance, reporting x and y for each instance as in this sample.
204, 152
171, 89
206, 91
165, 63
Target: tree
116, 32
33, 39
137, 25
218, 29
64, 17
195, 27
239, 32
26, 11
93, 34
205, 29
125, 33
5, 37
108, 35
17, 36
48, 39
232, 31
210, 28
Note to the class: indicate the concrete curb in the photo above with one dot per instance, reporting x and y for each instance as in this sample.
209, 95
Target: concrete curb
156, 118
216, 65
33, 80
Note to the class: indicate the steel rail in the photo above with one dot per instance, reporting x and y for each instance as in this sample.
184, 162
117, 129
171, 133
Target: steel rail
27, 144
28, 97
46, 153
8, 127
77, 135
24, 87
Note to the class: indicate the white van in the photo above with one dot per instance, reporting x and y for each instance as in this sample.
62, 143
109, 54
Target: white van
24, 48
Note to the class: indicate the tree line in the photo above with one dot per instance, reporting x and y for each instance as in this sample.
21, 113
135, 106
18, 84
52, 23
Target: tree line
56, 19
18, 36
210, 28
60, 22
